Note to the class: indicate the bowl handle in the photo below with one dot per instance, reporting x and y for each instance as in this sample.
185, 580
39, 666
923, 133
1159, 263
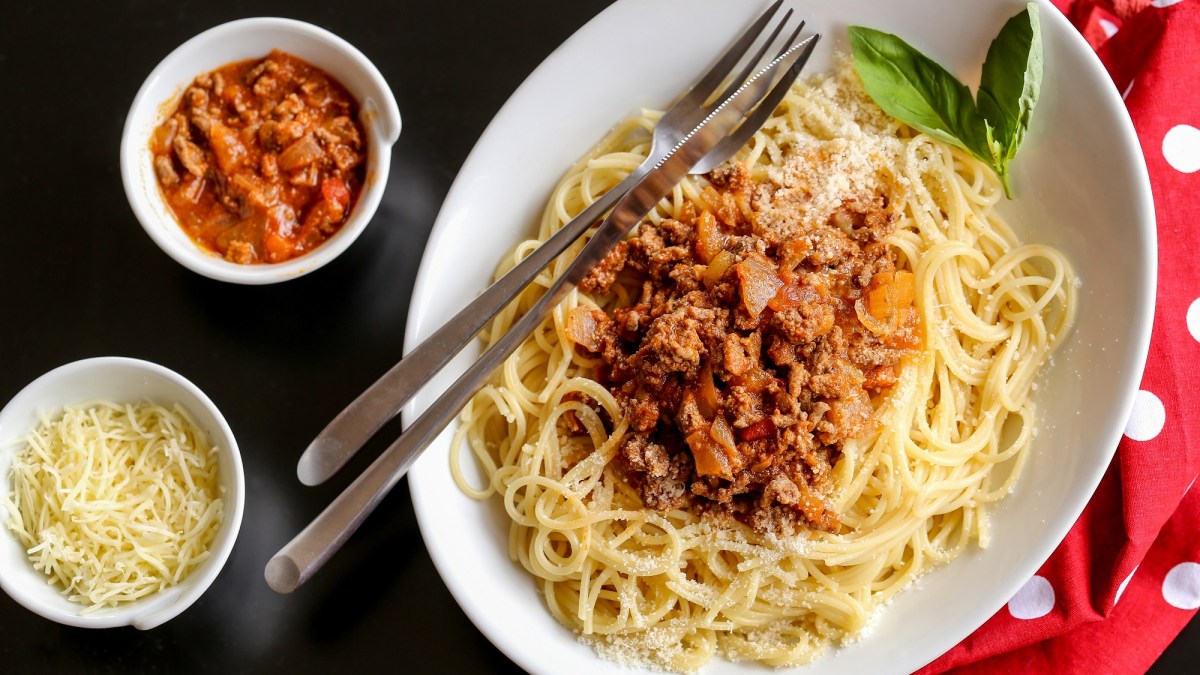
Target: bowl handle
386, 119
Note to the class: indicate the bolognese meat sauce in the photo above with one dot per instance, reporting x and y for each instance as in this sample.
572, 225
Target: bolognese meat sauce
749, 358
263, 160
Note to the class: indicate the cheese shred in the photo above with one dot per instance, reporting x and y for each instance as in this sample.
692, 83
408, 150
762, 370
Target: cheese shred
115, 501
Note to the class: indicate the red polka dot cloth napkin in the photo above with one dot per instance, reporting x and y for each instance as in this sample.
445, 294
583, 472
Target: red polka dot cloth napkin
1127, 577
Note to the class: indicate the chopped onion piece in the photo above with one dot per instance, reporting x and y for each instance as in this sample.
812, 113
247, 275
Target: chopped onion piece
584, 329
759, 283
301, 153
708, 457
717, 268
722, 434
710, 240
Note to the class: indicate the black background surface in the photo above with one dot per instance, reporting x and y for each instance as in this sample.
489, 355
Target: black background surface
79, 278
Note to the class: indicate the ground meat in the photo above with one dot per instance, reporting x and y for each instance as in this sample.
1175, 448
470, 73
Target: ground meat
602, 276
240, 252
839, 378
742, 353
645, 455
677, 339
190, 156
642, 410
798, 378
165, 170
831, 246
735, 406
806, 322
746, 407
781, 489
663, 261
670, 489
647, 242
678, 232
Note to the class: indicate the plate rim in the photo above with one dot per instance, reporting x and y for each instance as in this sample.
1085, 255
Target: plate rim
417, 325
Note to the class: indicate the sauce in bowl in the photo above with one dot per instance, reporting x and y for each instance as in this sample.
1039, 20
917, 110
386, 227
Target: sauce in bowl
262, 160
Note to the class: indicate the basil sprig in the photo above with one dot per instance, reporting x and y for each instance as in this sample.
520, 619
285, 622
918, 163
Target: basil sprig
917, 91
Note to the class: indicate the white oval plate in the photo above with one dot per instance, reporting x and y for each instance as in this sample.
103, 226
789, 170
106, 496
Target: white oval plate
1081, 185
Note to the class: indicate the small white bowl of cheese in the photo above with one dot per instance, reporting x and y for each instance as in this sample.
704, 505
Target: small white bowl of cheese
131, 496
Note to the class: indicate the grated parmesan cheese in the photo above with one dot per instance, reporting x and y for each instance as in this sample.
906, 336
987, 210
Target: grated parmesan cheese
114, 502
831, 160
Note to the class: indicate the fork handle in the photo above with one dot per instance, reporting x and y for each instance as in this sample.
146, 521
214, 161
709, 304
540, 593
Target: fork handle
373, 408
305, 554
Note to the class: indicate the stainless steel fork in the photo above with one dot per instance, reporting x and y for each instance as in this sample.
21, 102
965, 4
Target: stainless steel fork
308, 550
359, 421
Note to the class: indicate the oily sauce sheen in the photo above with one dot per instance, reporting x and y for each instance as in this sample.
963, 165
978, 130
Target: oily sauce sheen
749, 358
263, 160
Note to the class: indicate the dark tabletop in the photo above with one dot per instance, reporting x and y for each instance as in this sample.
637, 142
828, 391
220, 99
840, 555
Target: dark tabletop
79, 278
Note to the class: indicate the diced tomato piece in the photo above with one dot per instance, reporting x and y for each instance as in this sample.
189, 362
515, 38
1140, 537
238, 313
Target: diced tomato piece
277, 248
754, 432
334, 190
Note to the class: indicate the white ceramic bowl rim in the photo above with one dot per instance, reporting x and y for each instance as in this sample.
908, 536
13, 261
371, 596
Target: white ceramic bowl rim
28, 586
1081, 186
226, 43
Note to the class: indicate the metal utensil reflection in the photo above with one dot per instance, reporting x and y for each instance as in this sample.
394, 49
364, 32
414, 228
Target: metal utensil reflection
381, 402
311, 548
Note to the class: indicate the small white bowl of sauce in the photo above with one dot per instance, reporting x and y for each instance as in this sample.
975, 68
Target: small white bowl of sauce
85, 384
265, 228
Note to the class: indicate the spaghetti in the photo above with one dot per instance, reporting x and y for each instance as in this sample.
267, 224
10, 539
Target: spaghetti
672, 587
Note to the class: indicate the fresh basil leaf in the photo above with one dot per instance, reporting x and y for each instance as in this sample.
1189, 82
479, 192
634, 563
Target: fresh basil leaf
1011, 82
995, 146
917, 91
998, 132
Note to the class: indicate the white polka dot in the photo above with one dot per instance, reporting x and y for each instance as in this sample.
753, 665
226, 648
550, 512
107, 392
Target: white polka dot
1181, 148
1121, 588
1164, 3
1148, 417
1181, 587
1193, 319
1034, 600
1110, 28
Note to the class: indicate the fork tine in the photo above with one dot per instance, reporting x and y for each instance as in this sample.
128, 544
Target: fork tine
359, 421
304, 555
753, 63
734, 141
690, 104
792, 40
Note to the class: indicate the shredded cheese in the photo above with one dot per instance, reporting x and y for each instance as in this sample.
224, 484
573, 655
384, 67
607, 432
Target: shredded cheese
115, 501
